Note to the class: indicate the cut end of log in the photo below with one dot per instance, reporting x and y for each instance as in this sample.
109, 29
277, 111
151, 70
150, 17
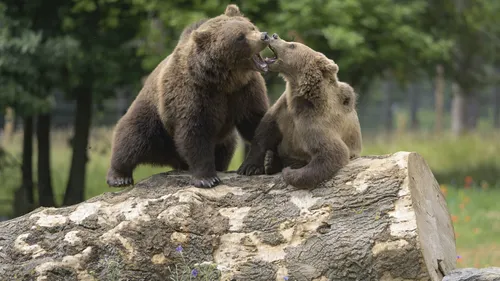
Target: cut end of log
378, 218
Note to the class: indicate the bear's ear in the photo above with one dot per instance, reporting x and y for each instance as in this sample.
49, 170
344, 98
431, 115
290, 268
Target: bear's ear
232, 11
327, 66
201, 37
331, 66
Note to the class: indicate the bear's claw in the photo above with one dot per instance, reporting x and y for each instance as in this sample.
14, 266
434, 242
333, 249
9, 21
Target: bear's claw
206, 182
250, 169
120, 181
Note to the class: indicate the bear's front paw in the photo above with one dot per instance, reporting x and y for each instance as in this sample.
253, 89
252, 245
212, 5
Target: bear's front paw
114, 179
250, 169
206, 182
120, 181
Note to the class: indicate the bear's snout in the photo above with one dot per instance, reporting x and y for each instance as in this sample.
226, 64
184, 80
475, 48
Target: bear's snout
275, 36
264, 36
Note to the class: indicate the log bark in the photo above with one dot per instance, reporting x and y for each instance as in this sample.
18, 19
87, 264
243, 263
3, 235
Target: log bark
378, 218
474, 274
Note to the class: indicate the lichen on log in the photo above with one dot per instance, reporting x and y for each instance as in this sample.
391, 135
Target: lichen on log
378, 218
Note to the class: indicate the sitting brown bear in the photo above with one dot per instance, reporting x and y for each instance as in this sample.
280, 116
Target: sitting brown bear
313, 128
187, 113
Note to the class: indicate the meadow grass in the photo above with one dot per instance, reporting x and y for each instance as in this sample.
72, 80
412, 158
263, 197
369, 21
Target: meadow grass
476, 219
468, 169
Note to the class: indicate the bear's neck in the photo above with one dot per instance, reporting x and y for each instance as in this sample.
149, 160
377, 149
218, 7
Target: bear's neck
304, 85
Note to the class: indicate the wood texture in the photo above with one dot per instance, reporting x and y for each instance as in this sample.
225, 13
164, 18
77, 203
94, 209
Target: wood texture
379, 218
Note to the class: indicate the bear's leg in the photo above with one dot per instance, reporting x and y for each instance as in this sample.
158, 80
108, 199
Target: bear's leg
267, 137
253, 104
195, 144
179, 164
127, 148
139, 138
224, 152
272, 163
323, 165
293, 163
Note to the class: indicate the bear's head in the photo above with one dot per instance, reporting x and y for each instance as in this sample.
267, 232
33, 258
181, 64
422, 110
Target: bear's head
232, 40
293, 60
311, 73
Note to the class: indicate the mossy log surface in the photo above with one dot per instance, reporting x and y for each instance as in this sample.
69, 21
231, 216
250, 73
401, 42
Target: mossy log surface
378, 218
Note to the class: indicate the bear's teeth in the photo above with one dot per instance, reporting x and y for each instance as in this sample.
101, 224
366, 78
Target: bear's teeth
270, 60
259, 62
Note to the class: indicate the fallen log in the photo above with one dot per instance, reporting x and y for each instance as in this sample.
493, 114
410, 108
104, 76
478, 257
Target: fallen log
474, 274
379, 218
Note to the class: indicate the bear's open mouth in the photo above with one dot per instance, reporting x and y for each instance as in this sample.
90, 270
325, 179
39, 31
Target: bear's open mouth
273, 59
259, 62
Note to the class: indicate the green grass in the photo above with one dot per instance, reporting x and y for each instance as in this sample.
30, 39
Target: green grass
99, 154
476, 219
451, 159
474, 209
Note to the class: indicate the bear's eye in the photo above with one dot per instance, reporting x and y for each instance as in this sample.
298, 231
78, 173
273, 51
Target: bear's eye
241, 37
291, 46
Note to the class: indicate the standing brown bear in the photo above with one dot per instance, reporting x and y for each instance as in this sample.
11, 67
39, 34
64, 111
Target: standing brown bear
313, 128
186, 114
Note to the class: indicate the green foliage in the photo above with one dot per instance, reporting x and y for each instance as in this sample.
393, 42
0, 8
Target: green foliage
473, 28
107, 32
364, 37
164, 23
30, 65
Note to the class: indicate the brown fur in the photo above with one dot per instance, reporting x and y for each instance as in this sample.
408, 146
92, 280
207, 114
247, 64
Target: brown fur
191, 105
313, 128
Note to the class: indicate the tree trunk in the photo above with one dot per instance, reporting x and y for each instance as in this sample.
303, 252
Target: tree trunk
458, 111
45, 193
388, 92
439, 98
496, 107
472, 112
379, 218
121, 103
75, 189
8, 129
23, 198
414, 98
27, 164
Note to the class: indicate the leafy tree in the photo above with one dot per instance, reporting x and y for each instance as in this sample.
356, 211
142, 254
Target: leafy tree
364, 37
473, 28
106, 31
30, 68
